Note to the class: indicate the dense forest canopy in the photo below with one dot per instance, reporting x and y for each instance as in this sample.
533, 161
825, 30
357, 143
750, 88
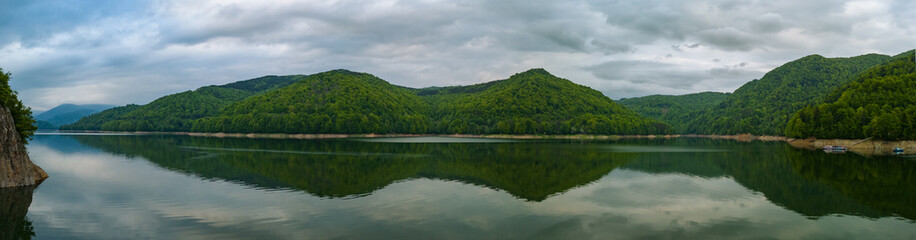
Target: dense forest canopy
858, 97
850, 98
22, 115
177, 112
533, 102
341, 101
338, 101
674, 110
880, 103
763, 107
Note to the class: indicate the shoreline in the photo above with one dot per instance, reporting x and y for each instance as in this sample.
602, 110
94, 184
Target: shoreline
861, 146
741, 137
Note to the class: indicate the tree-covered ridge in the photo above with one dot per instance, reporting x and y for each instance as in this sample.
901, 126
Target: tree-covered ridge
763, 107
96, 120
880, 103
22, 115
341, 101
266, 83
674, 110
533, 102
177, 112
338, 101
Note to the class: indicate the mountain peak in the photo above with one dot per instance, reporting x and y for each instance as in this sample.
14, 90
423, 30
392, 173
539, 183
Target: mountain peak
534, 71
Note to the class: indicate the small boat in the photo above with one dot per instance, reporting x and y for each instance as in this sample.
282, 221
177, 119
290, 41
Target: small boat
834, 149
898, 150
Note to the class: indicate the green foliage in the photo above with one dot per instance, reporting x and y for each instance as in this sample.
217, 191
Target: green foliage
674, 110
22, 115
177, 112
266, 83
337, 101
532, 102
95, 121
340, 101
763, 107
880, 103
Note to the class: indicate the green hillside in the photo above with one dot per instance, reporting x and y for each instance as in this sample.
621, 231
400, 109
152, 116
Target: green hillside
177, 112
96, 120
880, 103
341, 101
532, 102
337, 101
674, 110
763, 107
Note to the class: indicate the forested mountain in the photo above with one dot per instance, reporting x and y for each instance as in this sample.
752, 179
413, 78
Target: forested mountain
763, 107
66, 114
338, 101
341, 101
674, 110
96, 120
879, 103
532, 102
176, 112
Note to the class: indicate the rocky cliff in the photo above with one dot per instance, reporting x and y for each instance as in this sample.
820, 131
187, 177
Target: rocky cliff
16, 169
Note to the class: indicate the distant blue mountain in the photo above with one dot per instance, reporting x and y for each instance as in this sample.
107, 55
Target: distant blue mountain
66, 114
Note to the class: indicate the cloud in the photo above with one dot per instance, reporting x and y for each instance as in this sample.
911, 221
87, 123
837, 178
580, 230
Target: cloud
729, 39
664, 76
172, 46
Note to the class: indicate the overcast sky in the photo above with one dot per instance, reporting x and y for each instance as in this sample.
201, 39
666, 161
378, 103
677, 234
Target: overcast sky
119, 52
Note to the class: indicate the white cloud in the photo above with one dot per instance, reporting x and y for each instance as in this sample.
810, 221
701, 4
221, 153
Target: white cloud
163, 47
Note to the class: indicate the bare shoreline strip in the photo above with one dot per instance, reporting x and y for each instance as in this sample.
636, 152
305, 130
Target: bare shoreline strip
868, 147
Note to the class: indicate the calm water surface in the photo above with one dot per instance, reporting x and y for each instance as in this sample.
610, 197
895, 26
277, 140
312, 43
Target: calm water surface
180, 187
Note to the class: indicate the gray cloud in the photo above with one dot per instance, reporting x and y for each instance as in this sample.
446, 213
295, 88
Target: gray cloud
638, 78
31, 22
646, 72
729, 39
101, 51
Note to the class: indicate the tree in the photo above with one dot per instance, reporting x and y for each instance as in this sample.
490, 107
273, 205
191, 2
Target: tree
22, 115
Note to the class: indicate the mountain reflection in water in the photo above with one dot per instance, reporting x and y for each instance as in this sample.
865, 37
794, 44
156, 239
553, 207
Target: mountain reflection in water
808, 182
156, 186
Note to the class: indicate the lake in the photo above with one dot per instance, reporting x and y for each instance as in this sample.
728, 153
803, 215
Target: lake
182, 187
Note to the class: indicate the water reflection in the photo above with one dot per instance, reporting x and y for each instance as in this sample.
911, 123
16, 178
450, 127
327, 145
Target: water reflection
151, 187
347, 168
14, 205
812, 183
808, 182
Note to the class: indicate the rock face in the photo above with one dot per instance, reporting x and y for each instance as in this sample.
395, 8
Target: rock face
16, 169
